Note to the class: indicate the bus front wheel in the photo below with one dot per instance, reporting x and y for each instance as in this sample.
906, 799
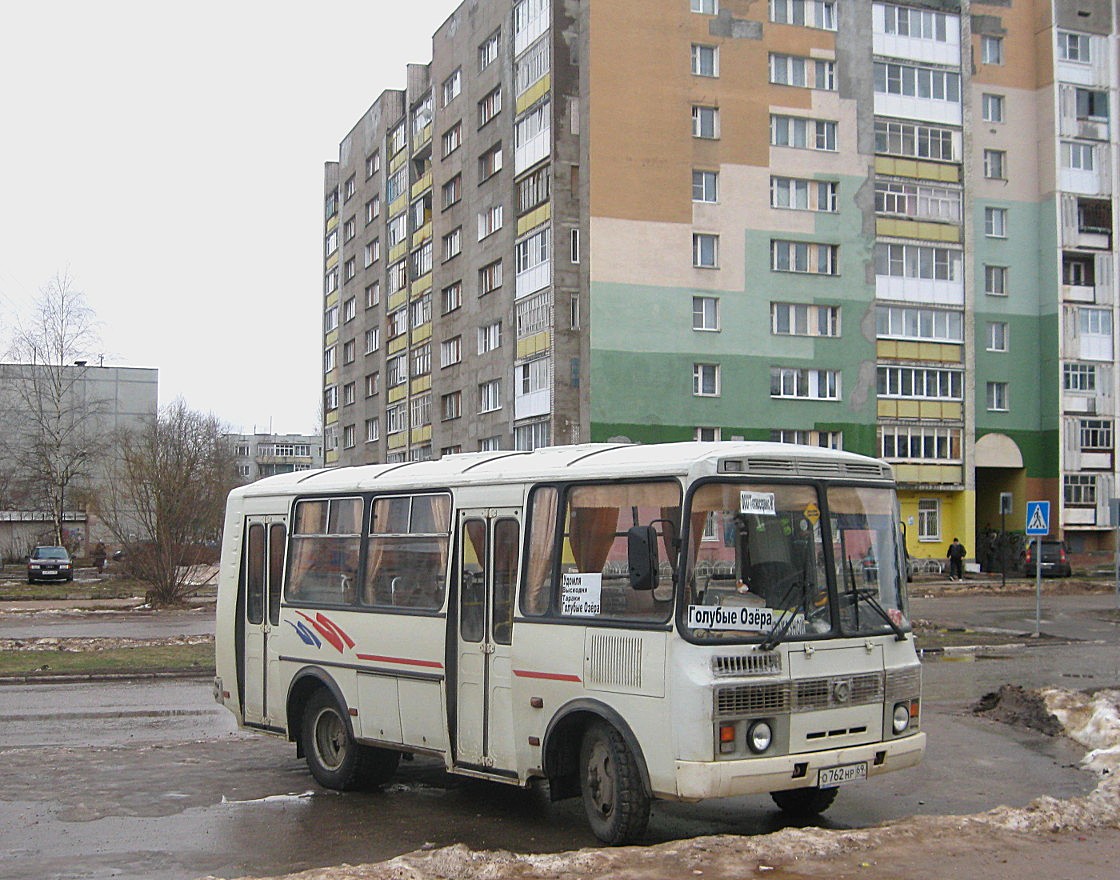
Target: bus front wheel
614, 797
805, 803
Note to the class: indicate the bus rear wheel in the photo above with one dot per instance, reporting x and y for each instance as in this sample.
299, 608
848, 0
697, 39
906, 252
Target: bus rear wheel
333, 757
805, 803
614, 797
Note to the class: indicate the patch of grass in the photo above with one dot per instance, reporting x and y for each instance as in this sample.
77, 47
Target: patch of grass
114, 588
127, 661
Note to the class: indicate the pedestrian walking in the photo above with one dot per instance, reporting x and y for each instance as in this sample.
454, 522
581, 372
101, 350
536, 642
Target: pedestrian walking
955, 555
99, 556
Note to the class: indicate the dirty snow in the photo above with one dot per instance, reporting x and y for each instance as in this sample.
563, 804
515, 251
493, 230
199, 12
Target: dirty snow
1089, 825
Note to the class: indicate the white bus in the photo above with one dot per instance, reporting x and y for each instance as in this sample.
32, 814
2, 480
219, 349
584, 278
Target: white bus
627, 622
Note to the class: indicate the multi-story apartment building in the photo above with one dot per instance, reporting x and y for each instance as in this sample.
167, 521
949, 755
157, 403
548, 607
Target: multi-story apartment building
265, 455
881, 226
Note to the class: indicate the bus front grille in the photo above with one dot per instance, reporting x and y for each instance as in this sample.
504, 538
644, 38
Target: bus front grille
732, 666
752, 699
805, 695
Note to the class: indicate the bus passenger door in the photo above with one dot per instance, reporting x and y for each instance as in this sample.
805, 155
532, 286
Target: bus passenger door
489, 549
262, 572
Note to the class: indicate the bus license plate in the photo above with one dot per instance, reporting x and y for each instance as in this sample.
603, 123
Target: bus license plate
830, 777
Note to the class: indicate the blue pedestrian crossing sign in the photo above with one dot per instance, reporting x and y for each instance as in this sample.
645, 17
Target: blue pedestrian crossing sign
1038, 517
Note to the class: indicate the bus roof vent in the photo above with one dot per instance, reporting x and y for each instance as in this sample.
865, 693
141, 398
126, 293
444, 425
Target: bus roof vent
820, 468
771, 466
866, 469
746, 664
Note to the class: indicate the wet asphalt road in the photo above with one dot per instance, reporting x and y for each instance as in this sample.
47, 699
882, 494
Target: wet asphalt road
151, 779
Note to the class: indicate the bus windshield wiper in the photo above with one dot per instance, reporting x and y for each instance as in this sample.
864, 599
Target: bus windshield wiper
868, 595
785, 619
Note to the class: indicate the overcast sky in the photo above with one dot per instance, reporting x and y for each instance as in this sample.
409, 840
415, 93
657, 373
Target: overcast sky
170, 158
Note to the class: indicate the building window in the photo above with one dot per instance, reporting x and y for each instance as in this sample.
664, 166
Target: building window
533, 190
707, 435
332, 242
452, 191
330, 319
997, 397
929, 519
823, 439
705, 380
532, 67
397, 229
914, 140
1096, 434
805, 13
705, 7
991, 49
573, 244
398, 276
331, 398
490, 396
422, 360
920, 443
995, 222
995, 280
490, 444
1079, 377
994, 164
373, 430
534, 435
705, 186
919, 324
804, 256
451, 405
451, 297
396, 322
808, 73
348, 437
489, 221
489, 337
918, 201
920, 383
453, 243
330, 282
489, 278
798, 319
705, 122
348, 394
997, 336
488, 51
397, 184
396, 370
1074, 47
349, 310
350, 269
397, 139
490, 106
421, 311
348, 188
705, 60
806, 384
452, 139
372, 252
1091, 104
349, 229
705, 313
422, 260
922, 24
802, 134
1079, 490
705, 250
452, 86
1077, 156
534, 376
917, 82
991, 107
373, 384
373, 294
490, 163
450, 351
803, 195
532, 314
373, 339
373, 164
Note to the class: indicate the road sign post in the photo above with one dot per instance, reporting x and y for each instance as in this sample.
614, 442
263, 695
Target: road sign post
1038, 524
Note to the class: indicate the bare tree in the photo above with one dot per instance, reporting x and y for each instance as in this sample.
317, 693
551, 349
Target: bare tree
166, 497
59, 426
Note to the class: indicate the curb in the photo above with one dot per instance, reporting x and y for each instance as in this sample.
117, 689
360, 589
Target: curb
81, 678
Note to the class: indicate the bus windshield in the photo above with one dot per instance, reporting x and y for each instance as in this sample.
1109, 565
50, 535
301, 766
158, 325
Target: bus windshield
762, 566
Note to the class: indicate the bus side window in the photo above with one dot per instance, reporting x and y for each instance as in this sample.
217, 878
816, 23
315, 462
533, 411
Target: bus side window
537, 596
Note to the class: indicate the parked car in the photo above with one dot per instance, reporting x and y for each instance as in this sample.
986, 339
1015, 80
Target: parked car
49, 564
1055, 562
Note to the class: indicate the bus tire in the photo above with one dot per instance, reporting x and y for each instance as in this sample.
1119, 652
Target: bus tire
614, 798
805, 803
333, 758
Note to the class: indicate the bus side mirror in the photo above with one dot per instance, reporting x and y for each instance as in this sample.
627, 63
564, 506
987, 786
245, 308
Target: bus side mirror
641, 552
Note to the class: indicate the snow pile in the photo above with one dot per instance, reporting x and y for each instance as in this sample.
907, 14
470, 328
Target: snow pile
1092, 720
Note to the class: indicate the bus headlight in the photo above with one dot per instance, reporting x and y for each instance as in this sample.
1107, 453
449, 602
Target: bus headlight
901, 718
759, 737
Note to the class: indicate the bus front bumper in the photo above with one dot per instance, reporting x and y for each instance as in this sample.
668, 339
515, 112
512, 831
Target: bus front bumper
697, 780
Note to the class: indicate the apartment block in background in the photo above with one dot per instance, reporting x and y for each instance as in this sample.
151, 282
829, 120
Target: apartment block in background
885, 227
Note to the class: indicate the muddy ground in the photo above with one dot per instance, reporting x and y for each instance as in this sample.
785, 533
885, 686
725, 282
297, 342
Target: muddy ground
1050, 838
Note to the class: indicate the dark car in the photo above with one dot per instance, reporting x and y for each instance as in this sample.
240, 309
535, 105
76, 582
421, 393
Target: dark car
1055, 562
49, 564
